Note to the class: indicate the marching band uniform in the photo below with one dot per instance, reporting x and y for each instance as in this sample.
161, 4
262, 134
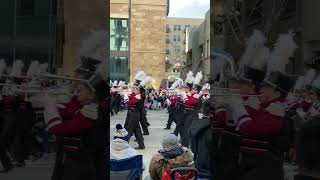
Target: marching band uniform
171, 104
192, 107
133, 118
79, 132
143, 112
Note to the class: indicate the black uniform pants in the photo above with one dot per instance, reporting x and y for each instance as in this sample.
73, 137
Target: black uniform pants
79, 167
133, 126
144, 121
179, 118
189, 117
171, 117
227, 165
261, 165
6, 133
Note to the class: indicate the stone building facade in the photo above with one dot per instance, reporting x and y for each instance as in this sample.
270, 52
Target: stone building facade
146, 33
198, 49
176, 43
81, 18
236, 20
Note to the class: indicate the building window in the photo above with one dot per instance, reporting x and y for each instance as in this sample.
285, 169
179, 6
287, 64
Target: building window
174, 37
119, 67
178, 37
168, 26
25, 8
167, 37
119, 35
175, 27
179, 27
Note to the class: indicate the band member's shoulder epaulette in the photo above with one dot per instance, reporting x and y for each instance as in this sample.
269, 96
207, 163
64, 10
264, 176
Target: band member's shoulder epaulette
138, 96
90, 111
276, 108
196, 96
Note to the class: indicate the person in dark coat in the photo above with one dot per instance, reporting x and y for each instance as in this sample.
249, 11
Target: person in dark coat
307, 150
201, 138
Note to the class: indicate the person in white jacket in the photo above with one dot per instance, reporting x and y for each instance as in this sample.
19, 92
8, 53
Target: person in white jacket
120, 147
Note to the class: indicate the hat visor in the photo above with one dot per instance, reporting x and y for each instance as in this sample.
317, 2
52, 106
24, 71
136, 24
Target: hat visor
272, 85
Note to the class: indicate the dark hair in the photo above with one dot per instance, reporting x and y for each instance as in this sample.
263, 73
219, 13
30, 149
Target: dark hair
308, 145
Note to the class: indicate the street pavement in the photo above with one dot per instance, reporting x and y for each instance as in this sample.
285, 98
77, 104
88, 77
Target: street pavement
34, 170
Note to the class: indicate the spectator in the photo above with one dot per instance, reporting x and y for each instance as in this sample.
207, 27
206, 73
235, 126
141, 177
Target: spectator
119, 146
308, 148
172, 155
201, 137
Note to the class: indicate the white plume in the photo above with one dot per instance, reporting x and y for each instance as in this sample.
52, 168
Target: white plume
115, 83
180, 82
189, 78
95, 46
33, 68
299, 83
175, 84
140, 75
309, 76
282, 51
17, 68
256, 54
206, 86
316, 82
3, 66
198, 78
145, 81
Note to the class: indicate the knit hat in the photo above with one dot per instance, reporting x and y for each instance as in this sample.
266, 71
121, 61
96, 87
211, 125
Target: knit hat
121, 133
170, 141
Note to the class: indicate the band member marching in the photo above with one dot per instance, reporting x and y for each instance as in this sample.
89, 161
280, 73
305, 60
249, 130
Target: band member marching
192, 103
133, 101
80, 130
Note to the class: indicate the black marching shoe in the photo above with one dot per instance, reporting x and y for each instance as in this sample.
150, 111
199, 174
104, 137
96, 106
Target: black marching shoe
167, 128
140, 147
146, 133
7, 169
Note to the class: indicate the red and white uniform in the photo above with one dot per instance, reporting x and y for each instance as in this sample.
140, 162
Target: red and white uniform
132, 99
190, 100
266, 121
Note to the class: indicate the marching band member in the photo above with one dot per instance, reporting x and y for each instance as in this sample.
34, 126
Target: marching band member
80, 131
264, 131
133, 117
171, 101
180, 108
192, 103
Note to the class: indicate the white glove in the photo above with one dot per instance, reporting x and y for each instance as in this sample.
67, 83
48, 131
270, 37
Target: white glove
50, 112
184, 96
168, 101
253, 102
125, 97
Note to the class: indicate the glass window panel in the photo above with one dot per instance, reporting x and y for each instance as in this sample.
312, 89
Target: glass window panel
119, 35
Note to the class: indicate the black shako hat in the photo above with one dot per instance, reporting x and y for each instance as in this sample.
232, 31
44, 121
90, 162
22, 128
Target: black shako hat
279, 81
98, 85
87, 66
251, 75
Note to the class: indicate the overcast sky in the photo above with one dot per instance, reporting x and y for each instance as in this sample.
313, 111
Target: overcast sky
189, 8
